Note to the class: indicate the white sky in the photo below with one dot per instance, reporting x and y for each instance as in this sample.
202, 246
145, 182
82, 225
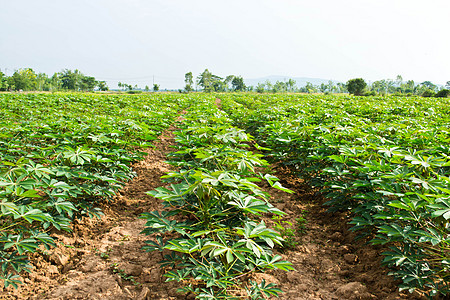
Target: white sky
133, 40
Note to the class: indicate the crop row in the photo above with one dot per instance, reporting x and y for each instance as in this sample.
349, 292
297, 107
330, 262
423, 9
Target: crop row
212, 223
63, 154
384, 159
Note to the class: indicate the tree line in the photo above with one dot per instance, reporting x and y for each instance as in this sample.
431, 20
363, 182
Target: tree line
208, 82
66, 80
73, 80
359, 87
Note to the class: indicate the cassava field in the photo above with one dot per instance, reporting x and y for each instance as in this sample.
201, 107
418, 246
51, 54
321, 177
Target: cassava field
224, 196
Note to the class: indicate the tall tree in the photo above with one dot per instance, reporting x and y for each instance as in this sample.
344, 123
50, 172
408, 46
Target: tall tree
342, 88
3, 82
55, 82
330, 86
429, 85
399, 80
260, 87
310, 88
189, 81
356, 86
217, 84
87, 83
102, 86
227, 81
409, 87
291, 84
23, 79
238, 83
205, 80
42, 82
70, 80
279, 86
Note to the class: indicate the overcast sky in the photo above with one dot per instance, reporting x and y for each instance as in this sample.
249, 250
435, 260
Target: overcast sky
133, 40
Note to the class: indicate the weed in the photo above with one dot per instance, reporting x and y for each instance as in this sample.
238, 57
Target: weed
105, 255
123, 275
126, 237
301, 223
286, 230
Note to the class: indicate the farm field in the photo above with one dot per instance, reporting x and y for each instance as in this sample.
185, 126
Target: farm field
241, 208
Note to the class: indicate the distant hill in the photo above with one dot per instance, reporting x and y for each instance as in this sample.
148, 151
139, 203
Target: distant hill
299, 81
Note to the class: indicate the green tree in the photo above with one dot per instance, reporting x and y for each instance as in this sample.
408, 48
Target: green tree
71, 80
269, 85
279, 87
189, 81
399, 80
146, 88
341, 87
379, 86
87, 83
309, 88
260, 88
205, 80
227, 81
291, 85
331, 87
238, 83
390, 86
210, 82
217, 85
155, 87
102, 86
55, 82
42, 82
356, 86
409, 86
3, 82
429, 85
23, 79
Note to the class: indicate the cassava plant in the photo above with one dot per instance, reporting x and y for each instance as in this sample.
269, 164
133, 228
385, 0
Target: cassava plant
213, 209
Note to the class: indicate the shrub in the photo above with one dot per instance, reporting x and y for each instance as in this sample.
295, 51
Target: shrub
371, 93
428, 93
443, 93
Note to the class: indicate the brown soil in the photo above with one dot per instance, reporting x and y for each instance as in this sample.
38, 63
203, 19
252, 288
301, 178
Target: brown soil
218, 103
97, 258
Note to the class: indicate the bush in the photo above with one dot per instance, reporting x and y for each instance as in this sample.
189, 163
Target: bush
134, 92
428, 93
371, 93
443, 93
